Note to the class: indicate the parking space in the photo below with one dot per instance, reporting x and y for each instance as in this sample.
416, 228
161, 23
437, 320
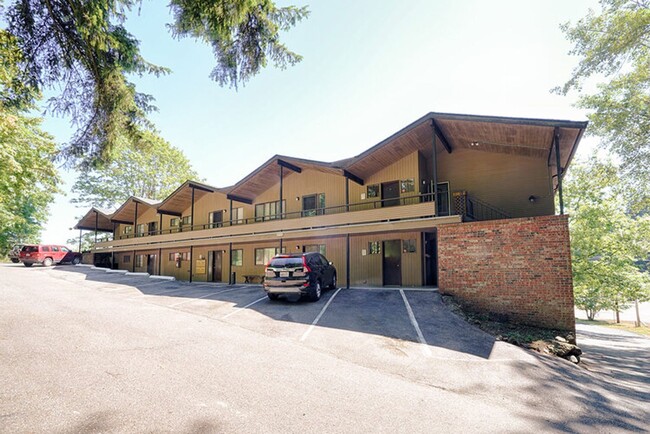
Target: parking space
379, 325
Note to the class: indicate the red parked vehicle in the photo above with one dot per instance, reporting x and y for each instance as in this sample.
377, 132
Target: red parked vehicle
48, 254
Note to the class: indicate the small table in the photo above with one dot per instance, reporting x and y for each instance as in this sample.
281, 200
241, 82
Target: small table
251, 278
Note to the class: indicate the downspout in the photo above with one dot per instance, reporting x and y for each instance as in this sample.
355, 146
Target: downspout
230, 282
347, 261
191, 260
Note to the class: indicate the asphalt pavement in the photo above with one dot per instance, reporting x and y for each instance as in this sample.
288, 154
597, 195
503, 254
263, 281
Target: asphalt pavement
86, 351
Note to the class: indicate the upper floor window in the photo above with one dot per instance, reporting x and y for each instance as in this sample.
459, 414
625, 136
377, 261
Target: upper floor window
175, 222
372, 191
374, 248
187, 220
128, 229
269, 210
313, 204
152, 227
237, 216
139, 229
407, 186
215, 219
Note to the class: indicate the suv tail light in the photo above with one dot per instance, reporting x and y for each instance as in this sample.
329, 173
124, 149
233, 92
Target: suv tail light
305, 266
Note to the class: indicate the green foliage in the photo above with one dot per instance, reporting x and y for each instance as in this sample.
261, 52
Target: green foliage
28, 178
87, 241
615, 46
83, 48
152, 170
606, 243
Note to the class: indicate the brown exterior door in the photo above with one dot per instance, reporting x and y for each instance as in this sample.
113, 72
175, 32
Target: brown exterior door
217, 258
390, 193
392, 262
151, 264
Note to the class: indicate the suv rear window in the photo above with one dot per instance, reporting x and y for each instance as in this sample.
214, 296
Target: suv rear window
286, 262
30, 249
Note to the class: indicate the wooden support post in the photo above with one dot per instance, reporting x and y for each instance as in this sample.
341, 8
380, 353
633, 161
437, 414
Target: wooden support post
347, 194
230, 282
280, 206
347, 261
556, 140
435, 169
135, 221
159, 261
96, 218
191, 260
192, 217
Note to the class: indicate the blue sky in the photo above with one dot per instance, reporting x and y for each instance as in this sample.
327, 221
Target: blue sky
369, 69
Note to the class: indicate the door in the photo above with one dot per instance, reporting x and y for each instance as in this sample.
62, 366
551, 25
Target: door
390, 193
392, 262
215, 259
442, 201
216, 219
151, 264
430, 259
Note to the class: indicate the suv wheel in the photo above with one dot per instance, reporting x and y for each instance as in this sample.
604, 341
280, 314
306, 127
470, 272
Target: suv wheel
333, 286
47, 262
273, 297
76, 260
315, 293
15, 261
27, 264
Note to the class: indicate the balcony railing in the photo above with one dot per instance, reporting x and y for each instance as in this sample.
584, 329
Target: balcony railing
361, 206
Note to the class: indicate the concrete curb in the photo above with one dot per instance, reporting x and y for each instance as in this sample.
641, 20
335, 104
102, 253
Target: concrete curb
162, 277
116, 271
137, 273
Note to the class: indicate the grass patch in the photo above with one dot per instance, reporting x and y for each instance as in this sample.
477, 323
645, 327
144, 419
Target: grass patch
623, 325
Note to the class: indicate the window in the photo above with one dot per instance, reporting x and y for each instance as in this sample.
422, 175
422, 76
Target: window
139, 260
187, 220
179, 256
45, 249
372, 191
215, 219
139, 229
320, 248
128, 229
237, 216
64, 249
175, 222
263, 256
55, 249
313, 204
237, 258
408, 246
407, 186
269, 210
126, 258
152, 227
374, 248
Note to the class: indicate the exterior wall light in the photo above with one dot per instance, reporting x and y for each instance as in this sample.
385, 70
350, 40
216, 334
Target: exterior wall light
532, 199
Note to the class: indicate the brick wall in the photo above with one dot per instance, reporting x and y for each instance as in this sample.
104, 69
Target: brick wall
518, 268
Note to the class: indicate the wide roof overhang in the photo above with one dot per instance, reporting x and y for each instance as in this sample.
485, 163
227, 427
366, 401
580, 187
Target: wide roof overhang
181, 198
268, 175
126, 213
517, 136
96, 219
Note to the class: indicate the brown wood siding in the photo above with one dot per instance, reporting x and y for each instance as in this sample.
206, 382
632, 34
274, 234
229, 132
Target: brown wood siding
502, 180
406, 168
169, 267
202, 253
367, 270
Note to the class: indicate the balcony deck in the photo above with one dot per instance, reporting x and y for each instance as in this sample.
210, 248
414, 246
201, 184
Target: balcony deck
411, 214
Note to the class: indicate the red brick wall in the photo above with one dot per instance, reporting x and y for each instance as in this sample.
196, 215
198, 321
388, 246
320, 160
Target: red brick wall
519, 268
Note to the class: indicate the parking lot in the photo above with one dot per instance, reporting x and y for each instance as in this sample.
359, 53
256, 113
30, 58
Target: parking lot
87, 350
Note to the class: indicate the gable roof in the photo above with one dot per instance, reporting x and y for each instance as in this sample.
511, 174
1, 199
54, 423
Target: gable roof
181, 198
96, 216
125, 214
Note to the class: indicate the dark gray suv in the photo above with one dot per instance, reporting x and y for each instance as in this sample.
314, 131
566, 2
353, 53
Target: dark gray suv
299, 274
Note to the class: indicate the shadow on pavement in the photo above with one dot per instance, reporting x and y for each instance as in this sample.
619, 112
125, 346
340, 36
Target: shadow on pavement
372, 311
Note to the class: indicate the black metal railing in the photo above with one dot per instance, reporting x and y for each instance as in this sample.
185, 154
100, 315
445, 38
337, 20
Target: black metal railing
479, 210
338, 209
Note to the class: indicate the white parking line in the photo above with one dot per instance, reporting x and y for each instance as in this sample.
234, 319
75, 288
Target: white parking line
205, 296
158, 293
322, 311
425, 347
245, 307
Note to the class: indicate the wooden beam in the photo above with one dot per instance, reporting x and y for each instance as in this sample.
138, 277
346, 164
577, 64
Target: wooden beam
239, 199
441, 136
174, 213
122, 222
199, 187
290, 166
353, 177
